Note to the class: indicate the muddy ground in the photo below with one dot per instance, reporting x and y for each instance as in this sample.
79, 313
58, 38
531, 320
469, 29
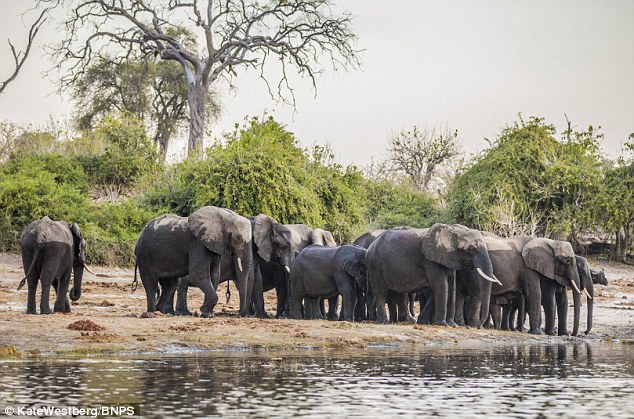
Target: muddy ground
107, 319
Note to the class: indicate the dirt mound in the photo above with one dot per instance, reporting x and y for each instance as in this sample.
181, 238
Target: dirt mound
85, 325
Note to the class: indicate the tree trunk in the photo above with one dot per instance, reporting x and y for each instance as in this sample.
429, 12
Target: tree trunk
620, 249
196, 97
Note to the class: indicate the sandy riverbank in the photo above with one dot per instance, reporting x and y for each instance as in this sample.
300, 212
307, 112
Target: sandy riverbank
107, 302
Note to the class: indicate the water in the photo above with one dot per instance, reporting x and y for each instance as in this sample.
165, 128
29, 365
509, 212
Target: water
581, 380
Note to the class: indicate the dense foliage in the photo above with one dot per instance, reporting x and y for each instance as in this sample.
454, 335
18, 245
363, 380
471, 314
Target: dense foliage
527, 182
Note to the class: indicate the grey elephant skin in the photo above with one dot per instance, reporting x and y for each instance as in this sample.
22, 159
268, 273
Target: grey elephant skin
274, 275
397, 303
328, 272
271, 244
588, 277
409, 260
51, 251
538, 268
171, 247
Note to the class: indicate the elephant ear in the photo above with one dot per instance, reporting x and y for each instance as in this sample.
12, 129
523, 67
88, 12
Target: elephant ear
440, 245
350, 258
208, 225
322, 238
263, 235
539, 256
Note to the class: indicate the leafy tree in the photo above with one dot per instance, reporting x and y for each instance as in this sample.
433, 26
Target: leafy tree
615, 206
237, 34
528, 182
154, 92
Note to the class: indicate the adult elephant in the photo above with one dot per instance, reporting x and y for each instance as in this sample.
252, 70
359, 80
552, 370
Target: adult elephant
328, 272
587, 278
540, 269
408, 260
171, 247
275, 275
51, 250
271, 244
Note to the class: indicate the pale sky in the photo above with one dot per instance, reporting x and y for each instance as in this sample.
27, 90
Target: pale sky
471, 64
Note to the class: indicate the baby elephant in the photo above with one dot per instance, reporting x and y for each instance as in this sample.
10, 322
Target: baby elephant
320, 271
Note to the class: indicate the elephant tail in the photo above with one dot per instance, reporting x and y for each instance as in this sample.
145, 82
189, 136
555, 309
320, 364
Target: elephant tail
23, 281
135, 282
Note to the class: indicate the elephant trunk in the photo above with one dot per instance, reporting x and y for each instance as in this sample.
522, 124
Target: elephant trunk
78, 275
483, 262
590, 304
576, 298
243, 263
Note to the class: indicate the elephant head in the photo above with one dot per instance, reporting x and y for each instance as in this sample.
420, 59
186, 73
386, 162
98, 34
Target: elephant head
351, 258
221, 230
322, 238
272, 240
457, 247
79, 262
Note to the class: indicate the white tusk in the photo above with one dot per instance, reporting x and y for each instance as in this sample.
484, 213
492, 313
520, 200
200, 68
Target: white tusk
287, 269
88, 269
588, 295
483, 275
240, 264
497, 280
576, 288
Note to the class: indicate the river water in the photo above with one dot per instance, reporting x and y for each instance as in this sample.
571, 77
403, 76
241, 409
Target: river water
559, 381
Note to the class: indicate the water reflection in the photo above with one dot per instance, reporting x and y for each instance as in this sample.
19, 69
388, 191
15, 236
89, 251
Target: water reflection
510, 381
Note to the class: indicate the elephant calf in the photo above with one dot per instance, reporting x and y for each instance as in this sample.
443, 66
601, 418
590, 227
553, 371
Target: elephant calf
326, 272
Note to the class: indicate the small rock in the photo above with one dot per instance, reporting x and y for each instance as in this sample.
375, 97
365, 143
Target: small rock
147, 315
624, 297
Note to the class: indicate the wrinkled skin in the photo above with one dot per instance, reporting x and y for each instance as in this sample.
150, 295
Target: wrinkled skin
401, 306
408, 260
171, 247
271, 244
539, 269
274, 275
51, 250
320, 271
588, 277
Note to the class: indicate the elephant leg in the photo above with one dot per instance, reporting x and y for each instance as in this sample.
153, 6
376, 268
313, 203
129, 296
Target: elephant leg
258, 293
496, 315
210, 301
403, 309
181, 297
562, 311
347, 304
521, 313
360, 307
533, 295
440, 291
426, 309
512, 314
380, 300
461, 304
548, 302
32, 289
506, 311
61, 299
451, 300
45, 307
150, 284
165, 303
333, 308
391, 307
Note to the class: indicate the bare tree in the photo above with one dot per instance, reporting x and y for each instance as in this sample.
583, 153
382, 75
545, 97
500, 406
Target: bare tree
235, 33
19, 57
424, 155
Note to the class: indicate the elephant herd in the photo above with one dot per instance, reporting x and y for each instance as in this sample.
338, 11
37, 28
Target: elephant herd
460, 276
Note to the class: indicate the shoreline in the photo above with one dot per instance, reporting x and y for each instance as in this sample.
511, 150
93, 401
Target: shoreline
107, 303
